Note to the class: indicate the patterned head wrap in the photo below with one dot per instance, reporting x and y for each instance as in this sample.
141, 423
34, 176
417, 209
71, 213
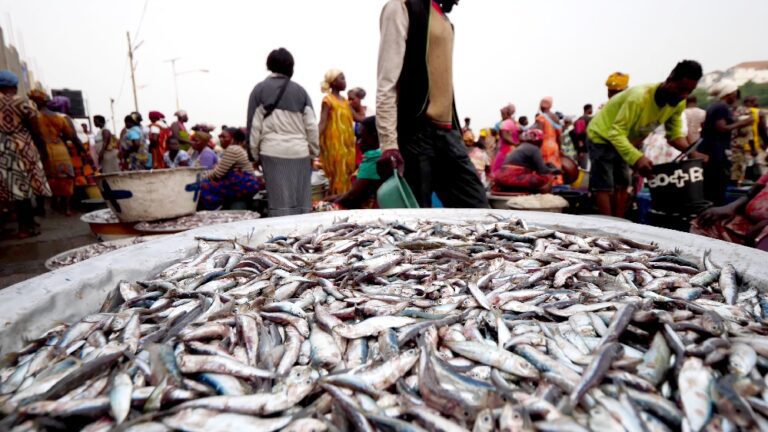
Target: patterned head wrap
330, 77
617, 82
532, 135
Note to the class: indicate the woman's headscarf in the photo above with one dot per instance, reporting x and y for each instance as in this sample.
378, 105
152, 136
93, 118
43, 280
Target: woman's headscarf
39, 97
155, 116
202, 137
8, 79
59, 104
532, 135
330, 77
617, 82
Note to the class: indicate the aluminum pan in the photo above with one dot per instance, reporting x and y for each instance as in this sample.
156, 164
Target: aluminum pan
31, 307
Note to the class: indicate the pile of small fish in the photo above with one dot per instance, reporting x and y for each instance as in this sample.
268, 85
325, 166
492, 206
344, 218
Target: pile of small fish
93, 250
103, 216
482, 326
197, 220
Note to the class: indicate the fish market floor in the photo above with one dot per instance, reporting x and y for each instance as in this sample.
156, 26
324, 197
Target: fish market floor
24, 259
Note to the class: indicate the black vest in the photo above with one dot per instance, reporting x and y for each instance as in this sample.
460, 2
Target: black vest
413, 85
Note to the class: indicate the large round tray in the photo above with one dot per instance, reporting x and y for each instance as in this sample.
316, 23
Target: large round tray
197, 220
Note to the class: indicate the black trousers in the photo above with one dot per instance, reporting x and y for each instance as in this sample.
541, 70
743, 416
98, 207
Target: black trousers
436, 160
716, 178
25, 215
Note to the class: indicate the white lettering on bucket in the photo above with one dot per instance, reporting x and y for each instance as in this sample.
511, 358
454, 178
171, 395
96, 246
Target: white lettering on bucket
697, 174
679, 178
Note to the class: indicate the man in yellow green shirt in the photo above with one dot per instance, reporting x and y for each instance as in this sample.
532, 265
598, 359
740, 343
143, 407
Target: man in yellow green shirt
617, 131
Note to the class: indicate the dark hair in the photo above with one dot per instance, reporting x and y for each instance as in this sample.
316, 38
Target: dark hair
692, 99
687, 69
99, 118
281, 61
129, 120
587, 107
237, 134
467, 119
523, 118
369, 131
360, 92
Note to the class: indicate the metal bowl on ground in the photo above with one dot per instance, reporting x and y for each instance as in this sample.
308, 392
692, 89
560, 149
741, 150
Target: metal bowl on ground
106, 226
547, 203
141, 196
83, 253
498, 200
197, 220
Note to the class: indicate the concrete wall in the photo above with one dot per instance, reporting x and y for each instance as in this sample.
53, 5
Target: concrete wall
10, 59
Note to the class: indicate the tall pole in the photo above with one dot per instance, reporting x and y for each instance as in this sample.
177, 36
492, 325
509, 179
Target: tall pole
112, 107
175, 83
133, 72
175, 80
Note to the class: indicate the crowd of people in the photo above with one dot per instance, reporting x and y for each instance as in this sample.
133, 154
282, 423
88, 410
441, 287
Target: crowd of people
415, 133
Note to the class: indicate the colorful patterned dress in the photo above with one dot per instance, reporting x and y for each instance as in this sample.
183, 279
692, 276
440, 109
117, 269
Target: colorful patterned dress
21, 171
82, 165
231, 180
56, 130
337, 145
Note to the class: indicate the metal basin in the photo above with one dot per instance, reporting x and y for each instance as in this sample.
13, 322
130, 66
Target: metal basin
142, 196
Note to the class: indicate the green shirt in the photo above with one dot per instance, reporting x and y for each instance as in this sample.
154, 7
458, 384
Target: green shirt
630, 117
367, 170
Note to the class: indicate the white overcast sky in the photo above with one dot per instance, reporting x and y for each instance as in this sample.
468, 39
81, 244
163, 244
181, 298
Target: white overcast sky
506, 50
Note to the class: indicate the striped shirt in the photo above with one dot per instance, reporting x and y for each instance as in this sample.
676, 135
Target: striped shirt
234, 158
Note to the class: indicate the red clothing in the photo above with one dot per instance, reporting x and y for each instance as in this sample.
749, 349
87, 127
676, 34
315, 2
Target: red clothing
159, 133
438, 8
513, 178
757, 209
735, 229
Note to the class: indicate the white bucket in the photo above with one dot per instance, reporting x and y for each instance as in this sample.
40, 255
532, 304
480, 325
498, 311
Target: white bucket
143, 196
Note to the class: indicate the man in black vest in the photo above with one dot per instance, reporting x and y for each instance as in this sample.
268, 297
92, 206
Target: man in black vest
415, 108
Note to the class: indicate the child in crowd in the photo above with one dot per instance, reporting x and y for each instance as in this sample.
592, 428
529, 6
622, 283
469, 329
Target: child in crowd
479, 157
363, 192
175, 157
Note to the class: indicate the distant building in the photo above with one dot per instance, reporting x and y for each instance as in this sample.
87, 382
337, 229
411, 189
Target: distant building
755, 71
